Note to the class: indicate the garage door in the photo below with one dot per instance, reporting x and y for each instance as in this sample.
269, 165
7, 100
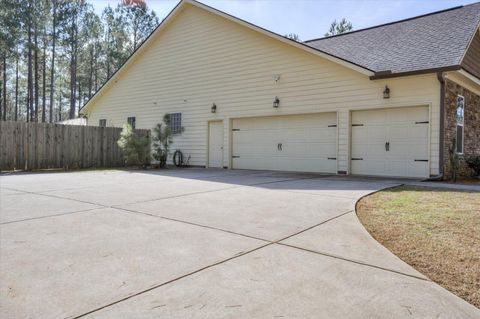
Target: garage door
304, 143
390, 142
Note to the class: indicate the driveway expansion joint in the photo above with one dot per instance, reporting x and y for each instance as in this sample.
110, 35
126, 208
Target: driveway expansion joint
48, 216
189, 223
353, 261
170, 281
263, 243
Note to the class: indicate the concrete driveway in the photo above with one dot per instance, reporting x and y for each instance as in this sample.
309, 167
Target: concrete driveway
199, 243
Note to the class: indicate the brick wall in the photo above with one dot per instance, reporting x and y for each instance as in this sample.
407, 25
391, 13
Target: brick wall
471, 125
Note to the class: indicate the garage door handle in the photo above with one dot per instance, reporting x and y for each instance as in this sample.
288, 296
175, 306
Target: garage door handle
279, 146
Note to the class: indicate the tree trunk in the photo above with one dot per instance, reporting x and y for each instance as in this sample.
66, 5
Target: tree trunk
35, 56
135, 32
73, 66
1, 99
44, 79
52, 67
4, 86
16, 87
96, 67
30, 71
108, 54
90, 76
79, 99
60, 103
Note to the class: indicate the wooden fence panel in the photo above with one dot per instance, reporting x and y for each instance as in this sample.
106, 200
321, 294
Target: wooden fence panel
43, 145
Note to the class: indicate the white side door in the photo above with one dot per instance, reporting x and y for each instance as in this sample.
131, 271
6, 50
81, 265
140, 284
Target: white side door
215, 144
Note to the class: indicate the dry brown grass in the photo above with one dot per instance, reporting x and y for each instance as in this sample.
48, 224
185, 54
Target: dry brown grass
437, 231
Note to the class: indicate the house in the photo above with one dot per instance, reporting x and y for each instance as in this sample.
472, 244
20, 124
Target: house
76, 121
386, 100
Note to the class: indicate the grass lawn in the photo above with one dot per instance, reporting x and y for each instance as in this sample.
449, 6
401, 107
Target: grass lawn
437, 231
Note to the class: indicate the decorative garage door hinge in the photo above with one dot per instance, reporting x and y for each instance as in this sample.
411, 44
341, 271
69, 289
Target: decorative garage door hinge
333, 125
235, 129
357, 124
332, 158
357, 159
234, 156
423, 122
420, 160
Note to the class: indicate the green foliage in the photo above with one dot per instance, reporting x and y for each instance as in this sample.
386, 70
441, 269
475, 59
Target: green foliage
135, 149
162, 138
473, 161
339, 27
139, 22
293, 36
454, 161
76, 48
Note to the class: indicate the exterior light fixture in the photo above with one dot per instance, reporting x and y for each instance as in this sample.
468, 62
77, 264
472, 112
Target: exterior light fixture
214, 108
276, 102
386, 93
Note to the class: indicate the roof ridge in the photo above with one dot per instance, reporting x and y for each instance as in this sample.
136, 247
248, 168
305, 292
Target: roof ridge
390, 23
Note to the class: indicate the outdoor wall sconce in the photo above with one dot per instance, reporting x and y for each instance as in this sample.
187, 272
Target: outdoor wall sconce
386, 93
276, 102
214, 108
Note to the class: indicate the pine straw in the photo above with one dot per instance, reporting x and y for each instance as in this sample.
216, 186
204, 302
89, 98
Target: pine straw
437, 231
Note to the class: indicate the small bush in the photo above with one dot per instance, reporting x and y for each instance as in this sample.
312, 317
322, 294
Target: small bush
134, 148
473, 161
162, 139
161, 143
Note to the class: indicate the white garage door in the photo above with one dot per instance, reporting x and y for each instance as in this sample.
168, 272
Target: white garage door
390, 142
304, 143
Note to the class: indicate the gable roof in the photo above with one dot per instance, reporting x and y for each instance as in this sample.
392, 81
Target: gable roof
432, 41
181, 5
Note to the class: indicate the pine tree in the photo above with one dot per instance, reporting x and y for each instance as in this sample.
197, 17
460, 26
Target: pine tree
339, 27
55, 54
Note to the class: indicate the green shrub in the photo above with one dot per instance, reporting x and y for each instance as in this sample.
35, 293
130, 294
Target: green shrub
162, 138
473, 161
135, 149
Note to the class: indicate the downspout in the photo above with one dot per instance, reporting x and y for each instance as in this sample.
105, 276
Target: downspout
441, 79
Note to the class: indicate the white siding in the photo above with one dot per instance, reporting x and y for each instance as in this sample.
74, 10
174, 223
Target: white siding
201, 59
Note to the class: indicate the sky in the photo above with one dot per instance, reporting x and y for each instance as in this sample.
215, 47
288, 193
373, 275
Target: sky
309, 18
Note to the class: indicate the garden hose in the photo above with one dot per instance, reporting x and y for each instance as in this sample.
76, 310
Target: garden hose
178, 158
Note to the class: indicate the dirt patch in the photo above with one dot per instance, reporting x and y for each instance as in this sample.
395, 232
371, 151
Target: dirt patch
437, 231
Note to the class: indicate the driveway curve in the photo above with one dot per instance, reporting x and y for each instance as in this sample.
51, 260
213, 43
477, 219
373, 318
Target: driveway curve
199, 243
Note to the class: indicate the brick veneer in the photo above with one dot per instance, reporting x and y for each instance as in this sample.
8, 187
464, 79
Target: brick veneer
471, 125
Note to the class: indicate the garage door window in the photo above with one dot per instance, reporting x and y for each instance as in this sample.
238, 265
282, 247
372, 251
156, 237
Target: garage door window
460, 123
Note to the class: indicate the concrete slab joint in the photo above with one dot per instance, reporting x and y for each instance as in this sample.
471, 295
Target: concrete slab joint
202, 243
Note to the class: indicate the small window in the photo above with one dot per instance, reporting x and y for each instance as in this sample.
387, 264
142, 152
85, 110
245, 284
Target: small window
176, 123
460, 115
131, 121
102, 123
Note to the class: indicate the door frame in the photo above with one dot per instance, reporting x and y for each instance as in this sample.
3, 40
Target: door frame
207, 164
429, 105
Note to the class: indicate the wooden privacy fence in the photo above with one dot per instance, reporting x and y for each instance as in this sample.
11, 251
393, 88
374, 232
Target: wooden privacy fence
43, 145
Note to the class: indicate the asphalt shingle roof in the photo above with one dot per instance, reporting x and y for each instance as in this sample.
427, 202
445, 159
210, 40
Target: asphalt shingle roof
426, 42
